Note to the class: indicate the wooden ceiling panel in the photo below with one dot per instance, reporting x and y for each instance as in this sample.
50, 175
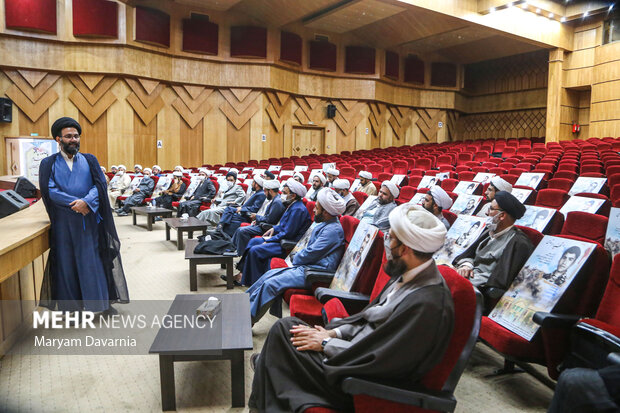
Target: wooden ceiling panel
281, 12
354, 15
484, 49
217, 5
447, 39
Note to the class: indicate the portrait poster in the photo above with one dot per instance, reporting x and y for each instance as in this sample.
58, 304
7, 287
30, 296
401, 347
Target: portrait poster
308, 195
135, 183
466, 187
521, 194
248, 169
531, 179
242, 176
483, 177
443, 175
581, 203
258, 171
162, 184
587, 185
31, 153
354, 256
612, 237
286, 173
361, 211
428, 181
301, 168
397, 179
541, 282
466, 204
355, 186
225, 168
328, 165
417, 199
301, 244
193, 184
465, 230
536, 217
273, 168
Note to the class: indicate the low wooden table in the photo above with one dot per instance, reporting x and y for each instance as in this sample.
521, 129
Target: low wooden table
224, 341
192, 224
150, 213
197, 259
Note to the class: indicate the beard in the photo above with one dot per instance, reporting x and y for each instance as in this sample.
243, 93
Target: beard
70, 148
383, 201
319, 218
269, 197
395, 267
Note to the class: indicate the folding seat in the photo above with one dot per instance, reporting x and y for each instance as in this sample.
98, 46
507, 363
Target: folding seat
551, 198
477, 169
467, 175
518, 171
347, 172
464, 157
586, 225
580, 298
449, 184
417, 172
360, 197
374, 169
570, 167
406, 193
611, 170
507, 165
509, 151
524, 150
446, 168
387, 166
445, 160
603, 209
489, 165
400, 167
514, 159
462, 168
548, 167
524, 165
560, 183
566, 175
424, 163
384, 176
498, 171
472, 164
481, 156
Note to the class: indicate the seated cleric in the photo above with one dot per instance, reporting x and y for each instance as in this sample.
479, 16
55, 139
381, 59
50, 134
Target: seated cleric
401, 335
500, 252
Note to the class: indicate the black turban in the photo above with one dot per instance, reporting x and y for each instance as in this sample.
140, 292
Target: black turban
231, 173
270, 175
510, 204
65, 122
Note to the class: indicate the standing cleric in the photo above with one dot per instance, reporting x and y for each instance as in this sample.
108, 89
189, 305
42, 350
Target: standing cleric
84, 269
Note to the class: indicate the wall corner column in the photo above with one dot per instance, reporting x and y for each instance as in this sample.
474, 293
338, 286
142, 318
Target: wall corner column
554, 93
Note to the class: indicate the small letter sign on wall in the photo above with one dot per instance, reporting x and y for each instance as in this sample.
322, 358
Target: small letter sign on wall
160, 144
440, 124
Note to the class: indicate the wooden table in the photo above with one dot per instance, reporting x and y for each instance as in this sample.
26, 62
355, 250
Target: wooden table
226, 339
150, 213
197, 259
190, 225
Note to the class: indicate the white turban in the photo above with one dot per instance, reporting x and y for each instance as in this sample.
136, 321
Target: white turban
271, 184
333, 171
113, 166
122, 167
417, 228
365, 175
501, 184
204, 171
341, 184
321, 177
331, 201
235, 170
177, 173
441, 198
178, 167
145, 170
259, 181
300, 176
157, 167
392, 187
296, 187
137, 166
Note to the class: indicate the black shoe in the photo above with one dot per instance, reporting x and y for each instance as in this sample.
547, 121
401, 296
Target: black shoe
110, 311
235, 282
122, 213
254, 360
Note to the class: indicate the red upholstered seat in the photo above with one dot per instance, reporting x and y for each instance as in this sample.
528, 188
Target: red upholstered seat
374, 169
466, 175
560, 183
551, 198
406, 193
586, 225
360, 197
449, 184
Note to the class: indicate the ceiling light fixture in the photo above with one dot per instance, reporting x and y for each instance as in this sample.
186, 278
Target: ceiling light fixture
551, 15
585, 14
537, 11
563, 19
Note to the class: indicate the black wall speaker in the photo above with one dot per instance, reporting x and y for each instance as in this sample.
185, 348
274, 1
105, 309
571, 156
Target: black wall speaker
6, 110
331, 111
11, 202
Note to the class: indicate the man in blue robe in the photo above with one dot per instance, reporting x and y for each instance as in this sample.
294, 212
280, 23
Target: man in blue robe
84, 269
292, 226
232, 217
324, 251
272, 215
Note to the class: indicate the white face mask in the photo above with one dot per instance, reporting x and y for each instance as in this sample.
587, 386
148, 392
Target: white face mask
492, 223
284, 197
120, 173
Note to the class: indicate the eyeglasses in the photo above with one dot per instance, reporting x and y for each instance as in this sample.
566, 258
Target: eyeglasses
496, 209
71, 136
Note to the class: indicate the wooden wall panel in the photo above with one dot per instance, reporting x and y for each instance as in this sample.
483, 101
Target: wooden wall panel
10, 307
191, 144
120, 118
144, 142
238, 143
28, 127
513, 124
94, 138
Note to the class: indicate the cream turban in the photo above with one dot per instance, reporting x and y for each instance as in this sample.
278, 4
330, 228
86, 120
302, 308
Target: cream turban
321, 177
417, 228
113, 166
145, 170
157, 167
177, 173
501, 184
365, 175
333, 171
179, 167
137, 166
123, 167
271, 184
341, 184
296, 187
392, 188
331, 202
441, 198
300, 176
259, 181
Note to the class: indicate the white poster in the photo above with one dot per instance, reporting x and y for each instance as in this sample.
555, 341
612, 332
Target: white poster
536, 217
361, 211
483, 177
354, 256
135, 183
428, 181
273, 168
466, 204
329, 165
531, 179
31, 153
465, 230
417, 198
301, 168
581, 203
301, 244
466, 187
612, 237
521, 194
588, 185
355, 185
397, 179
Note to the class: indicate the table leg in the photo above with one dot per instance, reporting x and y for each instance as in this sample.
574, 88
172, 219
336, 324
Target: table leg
179, 239
167, 231
149, 222
133, 215
193, 276
166, 378
237, 377
229, 274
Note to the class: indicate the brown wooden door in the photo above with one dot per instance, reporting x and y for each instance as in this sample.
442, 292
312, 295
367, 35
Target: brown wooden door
307, 141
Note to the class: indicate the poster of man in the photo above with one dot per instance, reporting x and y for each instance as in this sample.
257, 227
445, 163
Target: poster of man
541, 282
536, 217
428, 181
442, 175
300, 168
360, 212
531, 179
483, 177
521, 194
354, 256
466, 187
466, 204
301, 244
588, 185
260, 171
417, 199
465, 230
135, 182
355, 185
581, 203
274, 168
396, 179
162, 184
612, 237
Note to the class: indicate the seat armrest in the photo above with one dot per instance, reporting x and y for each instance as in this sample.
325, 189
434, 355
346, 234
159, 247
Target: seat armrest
614, 358
552, 320
318, 276
426, 399
347, 298
287, 244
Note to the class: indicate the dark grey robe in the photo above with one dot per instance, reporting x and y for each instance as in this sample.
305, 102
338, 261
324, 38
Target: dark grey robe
408, 344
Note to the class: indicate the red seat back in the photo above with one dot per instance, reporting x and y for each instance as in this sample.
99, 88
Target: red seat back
360, 196
560, 183
609, 308
551, 198
586, 225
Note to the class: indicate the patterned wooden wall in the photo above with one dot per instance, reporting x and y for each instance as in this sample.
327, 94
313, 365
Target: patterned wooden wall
123, 118
511, 124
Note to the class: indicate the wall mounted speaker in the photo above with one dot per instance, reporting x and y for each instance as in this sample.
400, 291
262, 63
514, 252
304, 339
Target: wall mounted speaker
6, 110
331, 111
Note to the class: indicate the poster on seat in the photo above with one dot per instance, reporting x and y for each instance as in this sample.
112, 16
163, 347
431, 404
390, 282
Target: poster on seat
417, 198
354, 256
588, 185
301, 244
466, 187
483, 177
531, 179
466, 204
612, 237
428, 181
581, 203
536, 217
361, 213
540, 284
465, 230
521, 194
